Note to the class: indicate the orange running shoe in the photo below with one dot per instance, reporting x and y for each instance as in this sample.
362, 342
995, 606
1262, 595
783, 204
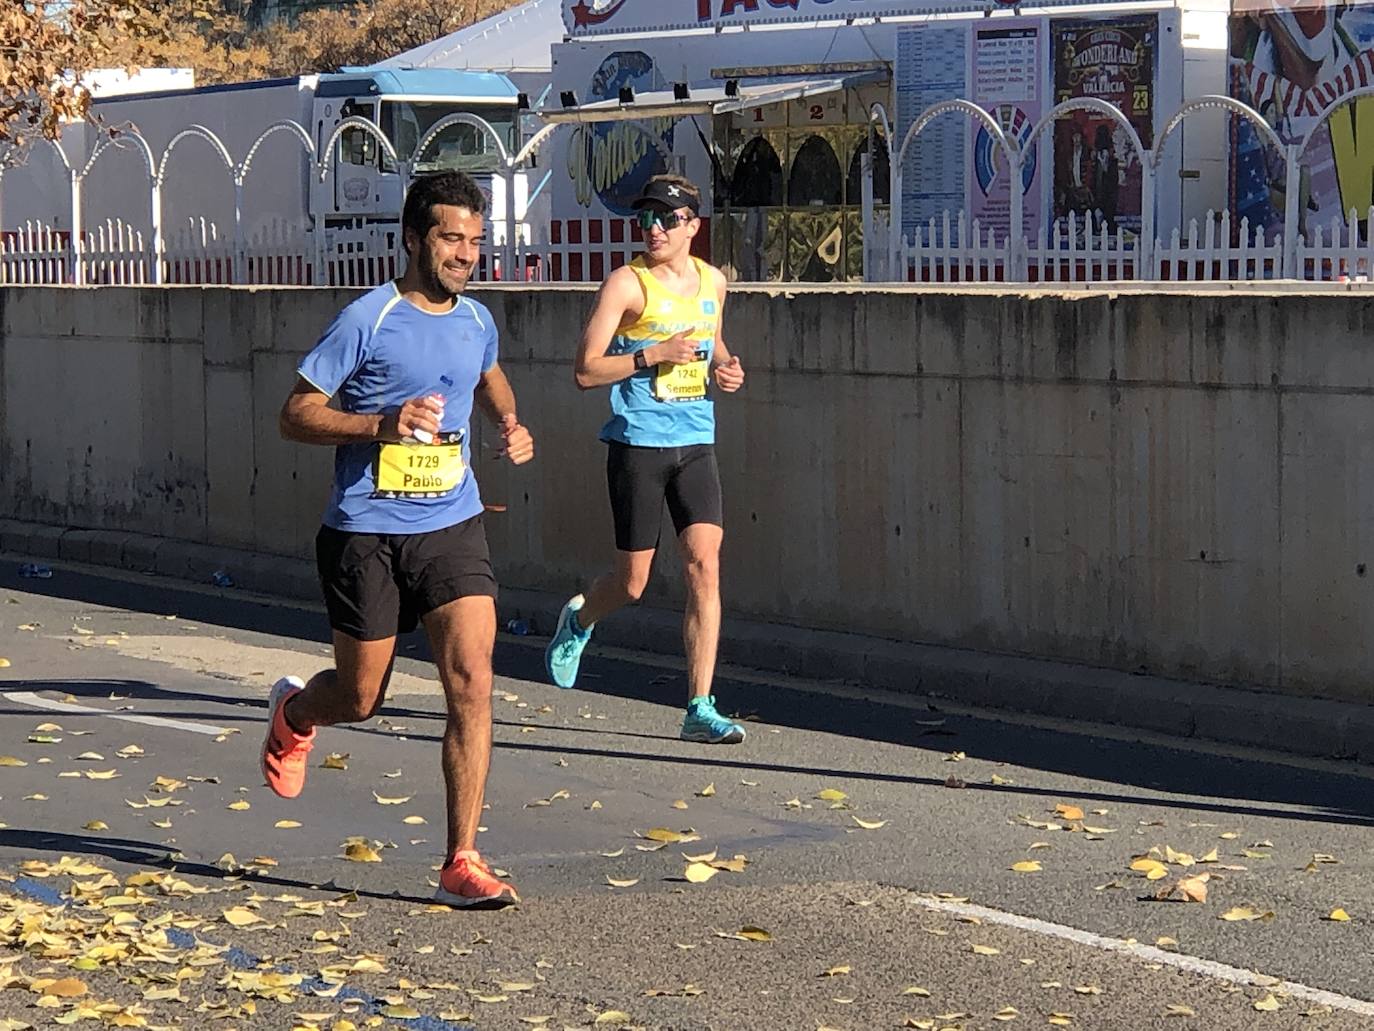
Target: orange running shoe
283, 750
467, 881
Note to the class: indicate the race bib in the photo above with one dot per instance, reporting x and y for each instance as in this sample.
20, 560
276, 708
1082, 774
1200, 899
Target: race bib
681, 382
416, 471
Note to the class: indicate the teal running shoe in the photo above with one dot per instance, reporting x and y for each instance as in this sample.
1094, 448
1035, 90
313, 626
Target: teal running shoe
703, 723
564, 652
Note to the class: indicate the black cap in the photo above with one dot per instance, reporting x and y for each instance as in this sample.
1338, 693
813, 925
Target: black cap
670, 195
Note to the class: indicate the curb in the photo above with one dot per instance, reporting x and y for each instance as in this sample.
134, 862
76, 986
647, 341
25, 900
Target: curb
1233, 715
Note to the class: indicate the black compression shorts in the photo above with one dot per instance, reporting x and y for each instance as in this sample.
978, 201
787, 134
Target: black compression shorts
640, 479
378, 585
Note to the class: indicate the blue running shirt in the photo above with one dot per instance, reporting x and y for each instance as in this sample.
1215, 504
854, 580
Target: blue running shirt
380, 352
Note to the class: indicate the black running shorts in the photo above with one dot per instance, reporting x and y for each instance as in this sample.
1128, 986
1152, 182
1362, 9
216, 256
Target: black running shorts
642, 478
379, 585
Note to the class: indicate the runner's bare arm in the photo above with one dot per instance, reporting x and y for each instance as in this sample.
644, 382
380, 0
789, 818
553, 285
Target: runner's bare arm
724, 365
495, 397
618, 303
307, 419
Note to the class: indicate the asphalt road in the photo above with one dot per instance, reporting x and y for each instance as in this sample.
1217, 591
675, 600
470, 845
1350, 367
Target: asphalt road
892, 901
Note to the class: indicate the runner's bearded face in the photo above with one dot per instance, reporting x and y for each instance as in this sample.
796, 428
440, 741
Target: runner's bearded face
450, 250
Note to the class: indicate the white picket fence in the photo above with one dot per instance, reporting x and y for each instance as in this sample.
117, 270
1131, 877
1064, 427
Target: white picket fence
953, 249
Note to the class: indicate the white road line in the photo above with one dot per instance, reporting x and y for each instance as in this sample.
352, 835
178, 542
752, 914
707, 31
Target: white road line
39, 702
1204, 967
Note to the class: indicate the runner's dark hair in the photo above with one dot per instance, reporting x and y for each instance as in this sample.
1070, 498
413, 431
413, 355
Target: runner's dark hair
455, 188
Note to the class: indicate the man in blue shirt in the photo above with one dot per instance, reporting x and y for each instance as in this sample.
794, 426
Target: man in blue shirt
402, 538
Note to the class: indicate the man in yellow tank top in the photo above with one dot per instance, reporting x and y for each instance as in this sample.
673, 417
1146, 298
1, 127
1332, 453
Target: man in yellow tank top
654, 338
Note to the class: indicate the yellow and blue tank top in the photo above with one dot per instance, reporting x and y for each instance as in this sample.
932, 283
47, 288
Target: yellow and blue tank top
667, 405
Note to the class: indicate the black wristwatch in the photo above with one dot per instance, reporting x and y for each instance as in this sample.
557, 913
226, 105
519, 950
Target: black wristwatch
640, 361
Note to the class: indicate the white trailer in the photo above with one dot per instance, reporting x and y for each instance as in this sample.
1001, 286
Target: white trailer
767, 104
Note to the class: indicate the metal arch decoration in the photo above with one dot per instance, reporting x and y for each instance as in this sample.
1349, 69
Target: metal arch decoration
462, 118
535, 142
121, 142
942, 107
1101, 107
206, 134
1215, 100
1328, 111
323, 162
286, 125
62, 154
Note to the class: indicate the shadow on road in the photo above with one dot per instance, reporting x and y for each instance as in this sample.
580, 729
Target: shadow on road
1313, 795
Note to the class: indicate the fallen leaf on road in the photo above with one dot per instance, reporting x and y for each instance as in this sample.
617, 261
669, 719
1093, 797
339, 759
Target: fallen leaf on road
401, 1012
413, 820
1069, 812
129, 751
622, 884
515, 986
870, 825
985, 950
381, 800
1176, 1009
707, 791
831, 795
96, 825
839, 971
286, 825
100, 774
1026, 866
1339, 915
955, 757
614, 855
921, 1025
240, 917
679, 804
1245, 913
699, 873
1153, 869
1268, 1004
1006, 1013
359, 852
1060, 1019
1087, 989
705, 857
670, 837
735, 865
916, 990
9, 760
612, 1017
240, 805
335, 761
753, 934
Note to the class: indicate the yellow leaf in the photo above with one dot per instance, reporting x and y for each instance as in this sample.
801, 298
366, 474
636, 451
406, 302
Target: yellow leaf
1210, 857
916, 990
96, 825
1339, 915
100, 774
240, 917
614, 855
1268, 1004
9, 760
985, 950
839, 971
705, 857
1194, 889
1177, 1009
755, 934
402, 800
870, 825
707, 791
286, 825
611, 1017
4, 663
1245, 913
622, 884
699, 873
679, 804
669, 837
414, 821
359, 852
239, 806
1060, 1019
1006, 1013
516, 986
66, 988
831, 795
735, 865
1153, 869
399, 1012
921, 1025
1069, 812
335, 761
1026, 866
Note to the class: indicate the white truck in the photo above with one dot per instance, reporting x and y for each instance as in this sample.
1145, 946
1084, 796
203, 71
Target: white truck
199, 141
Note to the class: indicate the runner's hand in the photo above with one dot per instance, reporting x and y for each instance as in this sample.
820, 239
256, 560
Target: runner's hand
730, 375
676, 350
422, 413
519, 444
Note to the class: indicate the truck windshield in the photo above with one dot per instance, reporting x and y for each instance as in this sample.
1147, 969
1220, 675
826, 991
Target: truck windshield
460, 145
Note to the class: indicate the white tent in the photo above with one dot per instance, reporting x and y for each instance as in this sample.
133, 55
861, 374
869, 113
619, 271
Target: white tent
515, 42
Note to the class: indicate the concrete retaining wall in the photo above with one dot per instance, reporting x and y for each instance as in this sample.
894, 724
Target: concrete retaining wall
1179, 483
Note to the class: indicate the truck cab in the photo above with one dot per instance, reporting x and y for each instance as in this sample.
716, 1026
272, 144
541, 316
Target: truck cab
405, 104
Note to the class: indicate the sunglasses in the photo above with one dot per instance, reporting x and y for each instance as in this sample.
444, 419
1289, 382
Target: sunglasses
665, 220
